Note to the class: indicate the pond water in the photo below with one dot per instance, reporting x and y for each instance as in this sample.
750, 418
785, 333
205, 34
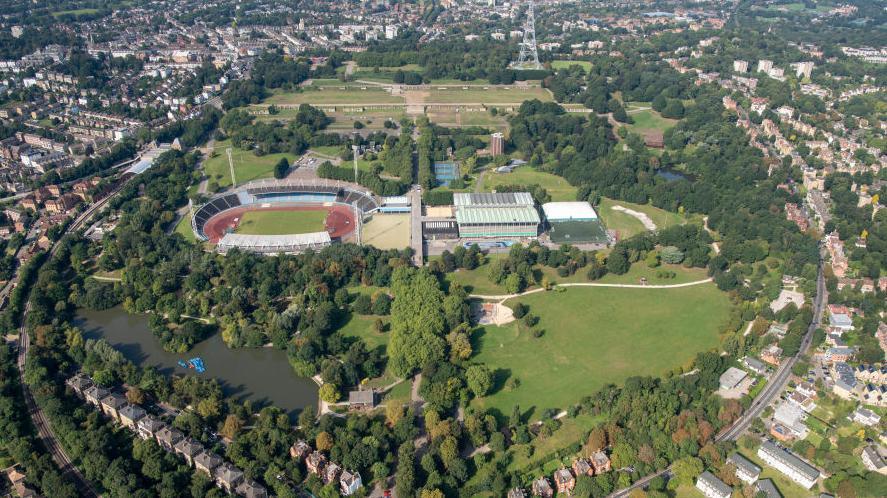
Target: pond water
262, 375
672, 175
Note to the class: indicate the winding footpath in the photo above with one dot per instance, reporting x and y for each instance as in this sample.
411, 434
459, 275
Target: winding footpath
38, 418
505, 297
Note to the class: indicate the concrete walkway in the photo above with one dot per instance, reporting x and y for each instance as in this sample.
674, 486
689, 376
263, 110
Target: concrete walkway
505, 297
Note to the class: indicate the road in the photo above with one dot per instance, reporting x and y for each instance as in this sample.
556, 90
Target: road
44, 428
775, 386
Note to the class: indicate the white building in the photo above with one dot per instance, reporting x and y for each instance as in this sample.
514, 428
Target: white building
764, 66
784, 461
746, 470
732, 377
865, 417
804, 69
391, 32
712, 487
740, 66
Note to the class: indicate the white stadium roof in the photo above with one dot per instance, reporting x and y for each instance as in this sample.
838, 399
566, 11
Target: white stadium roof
564, 211
274, 242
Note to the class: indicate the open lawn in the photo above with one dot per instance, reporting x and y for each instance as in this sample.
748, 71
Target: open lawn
263, 222
361, 326
387, 231
331, 96
183, 227
627, 225
558, 188
247, 166
491, 95
452, 119
649, 120
477, 282
596, 336
586, 65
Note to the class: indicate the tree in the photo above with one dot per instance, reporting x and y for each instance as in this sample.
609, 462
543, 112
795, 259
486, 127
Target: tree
232, 426
479, 379
617, 261
323, 441
281, 168
597, 440
671, 255
686, 469
674, 109
329, 392
135, 395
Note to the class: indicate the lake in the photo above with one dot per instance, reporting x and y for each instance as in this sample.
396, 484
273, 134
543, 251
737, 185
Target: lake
261, 375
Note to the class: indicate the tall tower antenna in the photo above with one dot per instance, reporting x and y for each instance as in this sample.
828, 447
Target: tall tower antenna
529, 55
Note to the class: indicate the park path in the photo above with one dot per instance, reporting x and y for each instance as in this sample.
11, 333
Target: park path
505, 297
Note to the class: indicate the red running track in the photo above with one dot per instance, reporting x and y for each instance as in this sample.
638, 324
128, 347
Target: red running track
339, 222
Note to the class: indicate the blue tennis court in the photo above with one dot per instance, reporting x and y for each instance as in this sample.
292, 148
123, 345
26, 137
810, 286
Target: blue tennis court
445, 172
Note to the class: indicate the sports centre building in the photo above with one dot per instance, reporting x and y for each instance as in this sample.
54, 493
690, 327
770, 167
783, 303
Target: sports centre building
344, 203
488, 215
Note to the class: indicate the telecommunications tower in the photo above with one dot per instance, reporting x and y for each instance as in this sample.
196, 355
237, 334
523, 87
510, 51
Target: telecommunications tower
529, 55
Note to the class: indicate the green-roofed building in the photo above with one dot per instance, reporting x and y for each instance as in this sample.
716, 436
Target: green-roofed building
488, 222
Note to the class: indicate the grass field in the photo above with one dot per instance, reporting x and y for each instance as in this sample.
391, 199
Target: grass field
75, 12
454, 119
477, 282
627, 225
281, 222
558, 188
247, 166
649, 120
354, 325
183, 227
492, 95
387, 231
586, 65
351, 95
595, 336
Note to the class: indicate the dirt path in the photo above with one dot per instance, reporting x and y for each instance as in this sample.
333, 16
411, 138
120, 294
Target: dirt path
642, 217
505, 297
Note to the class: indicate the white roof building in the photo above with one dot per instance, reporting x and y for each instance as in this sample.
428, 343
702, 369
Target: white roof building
569, 211
732, 377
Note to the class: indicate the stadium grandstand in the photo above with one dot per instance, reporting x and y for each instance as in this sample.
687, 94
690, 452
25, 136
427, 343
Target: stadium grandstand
399, 204
343, 200
488, 215
274, 244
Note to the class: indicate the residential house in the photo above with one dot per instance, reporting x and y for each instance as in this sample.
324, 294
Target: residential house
207, 462
541, 487
564, 481
188, 448
873, 459
839, 354
581, 467
786, 462
845, 381
349, 482
755, 365
251, 489
746, 470
95, 394
17, 482
516, 493
79, 384
330, 472
600, 462
767, 488
871, 373
168, 438
865, 417
792, 417
228, 477
130, 415
712, 487
149, 426
807, 389
111, 405
300, 450
778, 330
315, 462
772, 354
